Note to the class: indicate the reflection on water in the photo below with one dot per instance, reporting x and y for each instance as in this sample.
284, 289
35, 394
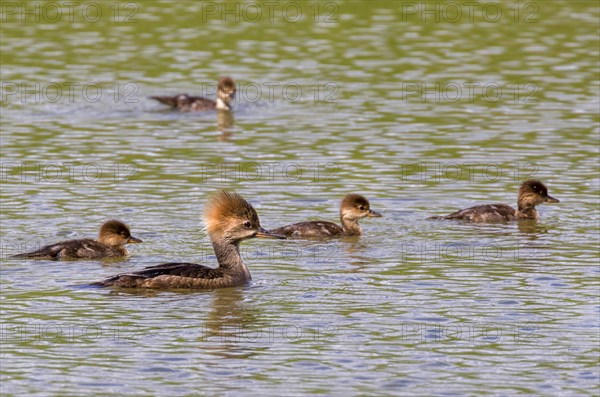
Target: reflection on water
422, 116
225, 124
532, 228
230, 322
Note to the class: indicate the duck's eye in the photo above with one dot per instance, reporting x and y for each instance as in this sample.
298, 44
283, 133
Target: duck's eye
362, 208
247, 224
123, 234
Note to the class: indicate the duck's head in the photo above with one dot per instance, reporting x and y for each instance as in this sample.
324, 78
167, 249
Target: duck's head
228, 217
225, 93
533, 192
116, 233
355, 207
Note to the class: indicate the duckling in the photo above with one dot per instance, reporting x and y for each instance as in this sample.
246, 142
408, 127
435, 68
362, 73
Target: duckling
186, 103
229, 220
110, 244
352, 208
531, 193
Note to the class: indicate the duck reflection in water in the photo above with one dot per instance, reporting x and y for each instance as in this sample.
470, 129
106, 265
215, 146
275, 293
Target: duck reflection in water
225, 124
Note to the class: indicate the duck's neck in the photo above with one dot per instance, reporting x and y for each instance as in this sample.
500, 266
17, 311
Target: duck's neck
229, 258
116, 247
111, 241
527, 212
526, 207
122, 250
223, 101
221, 105
350, 226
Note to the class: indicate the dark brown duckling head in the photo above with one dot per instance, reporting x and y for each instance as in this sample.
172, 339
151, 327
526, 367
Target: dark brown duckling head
116, 233
355, 207
533, 192
230, 218
225, 92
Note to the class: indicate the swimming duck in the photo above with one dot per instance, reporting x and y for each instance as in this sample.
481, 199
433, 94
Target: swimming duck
531, 193
352, 208
186, 103
229, 220
110, 244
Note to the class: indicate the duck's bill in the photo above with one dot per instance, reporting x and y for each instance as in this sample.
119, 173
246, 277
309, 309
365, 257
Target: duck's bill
133, 240
374, 214
551, 199
263, 233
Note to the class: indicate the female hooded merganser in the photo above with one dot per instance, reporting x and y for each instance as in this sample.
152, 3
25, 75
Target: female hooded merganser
110, 244
229, 220
531, 193
186, 103
352, 208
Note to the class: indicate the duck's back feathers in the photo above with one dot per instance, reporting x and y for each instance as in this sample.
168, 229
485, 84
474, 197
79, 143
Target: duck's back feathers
171, 275
488, 213
314, 229
186, 102
75, 249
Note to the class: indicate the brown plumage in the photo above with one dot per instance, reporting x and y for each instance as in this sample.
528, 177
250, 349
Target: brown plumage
229, 220
110, 244
531, 193
352, 208
187, 103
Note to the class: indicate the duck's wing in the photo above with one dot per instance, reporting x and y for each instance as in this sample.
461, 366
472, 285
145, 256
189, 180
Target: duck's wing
487, 213
167, 275
72, 249
186, 102
310, 229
